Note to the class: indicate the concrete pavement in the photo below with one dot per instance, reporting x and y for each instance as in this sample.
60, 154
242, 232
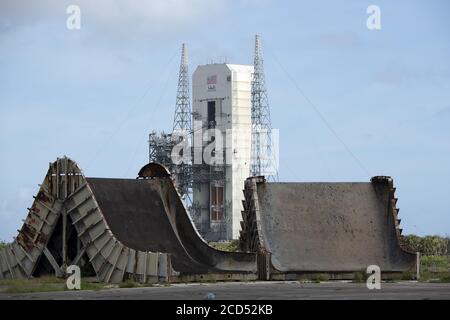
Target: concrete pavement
256, 291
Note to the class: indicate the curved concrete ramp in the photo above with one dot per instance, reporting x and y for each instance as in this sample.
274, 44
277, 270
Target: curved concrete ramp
115, 228
148, 215
324, 227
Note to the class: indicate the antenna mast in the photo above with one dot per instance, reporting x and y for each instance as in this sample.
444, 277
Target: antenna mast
182, 126
182, 118
262, 157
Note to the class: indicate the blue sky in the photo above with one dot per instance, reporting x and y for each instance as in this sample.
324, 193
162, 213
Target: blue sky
94, 94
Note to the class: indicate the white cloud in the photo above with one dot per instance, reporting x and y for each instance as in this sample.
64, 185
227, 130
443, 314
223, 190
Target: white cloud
110, 24
398, 75
155, 10
111, 13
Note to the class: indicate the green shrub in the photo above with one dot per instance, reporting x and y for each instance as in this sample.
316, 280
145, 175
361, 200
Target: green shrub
437, 277
406, 276
359, 277
321, 278
435, 262
446, 278
425, 276
428, 245
435, 268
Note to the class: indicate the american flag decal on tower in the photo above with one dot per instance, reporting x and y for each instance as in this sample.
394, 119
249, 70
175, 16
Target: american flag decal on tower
211, 79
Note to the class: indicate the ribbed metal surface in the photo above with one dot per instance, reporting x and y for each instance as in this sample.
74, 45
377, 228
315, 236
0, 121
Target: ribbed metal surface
65, 191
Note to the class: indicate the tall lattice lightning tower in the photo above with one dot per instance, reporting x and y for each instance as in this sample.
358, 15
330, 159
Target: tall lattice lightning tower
182, 119
262, 155
182, 126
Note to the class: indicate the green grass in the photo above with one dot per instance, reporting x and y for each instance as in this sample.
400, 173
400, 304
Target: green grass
230, 246
132, 283
43, 284
49, 283
94, 286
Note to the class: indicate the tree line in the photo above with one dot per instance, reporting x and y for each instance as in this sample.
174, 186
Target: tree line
428, 245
